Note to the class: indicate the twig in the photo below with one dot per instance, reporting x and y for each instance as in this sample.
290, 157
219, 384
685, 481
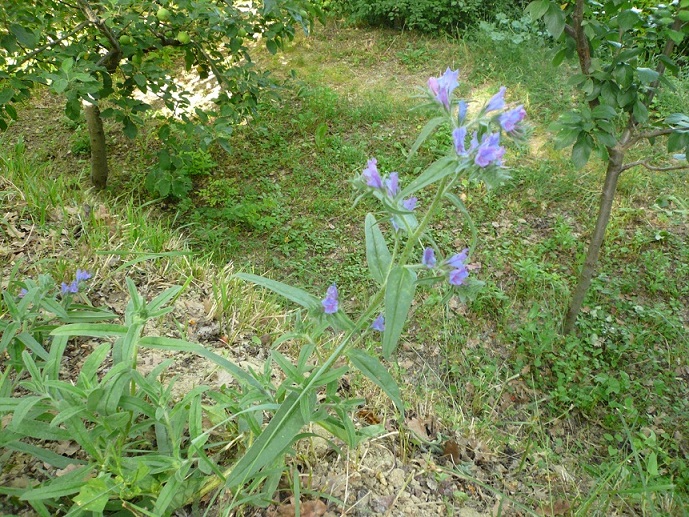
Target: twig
650, 167
647, 136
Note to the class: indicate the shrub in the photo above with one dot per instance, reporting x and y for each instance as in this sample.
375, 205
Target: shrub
425, 15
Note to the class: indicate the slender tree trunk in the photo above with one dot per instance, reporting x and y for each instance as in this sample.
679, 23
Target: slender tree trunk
615, 163
99, 157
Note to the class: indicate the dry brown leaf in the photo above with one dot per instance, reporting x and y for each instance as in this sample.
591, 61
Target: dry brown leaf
451, 450
418, 427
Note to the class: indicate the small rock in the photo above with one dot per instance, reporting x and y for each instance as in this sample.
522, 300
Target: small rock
396, 478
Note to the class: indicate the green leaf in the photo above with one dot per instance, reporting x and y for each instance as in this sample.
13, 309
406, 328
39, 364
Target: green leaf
43, 455
287, 367
25, 37
430, 126
91, 330
640, 112
291, 293
537, 9
399, 294
652, 464
92, 363
582, 150
179, 345
93, 496
11, 112
67, 484
22, 410
272, 46
29, 342
372, 368
377, 253
603, 111
627, 19
6, 95
278, 435
554, 21
436, 171
647, 75
129, 128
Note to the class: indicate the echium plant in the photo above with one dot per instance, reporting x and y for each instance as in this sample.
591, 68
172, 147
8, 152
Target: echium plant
37, 308
401, 254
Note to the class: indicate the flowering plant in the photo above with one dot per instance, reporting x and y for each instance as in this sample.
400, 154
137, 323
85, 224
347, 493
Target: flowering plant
36, 308
407, 258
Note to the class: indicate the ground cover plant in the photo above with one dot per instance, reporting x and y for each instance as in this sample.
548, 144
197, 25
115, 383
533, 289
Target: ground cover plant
536, 423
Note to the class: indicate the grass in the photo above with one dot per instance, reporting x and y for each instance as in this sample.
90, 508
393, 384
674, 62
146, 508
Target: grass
607, 409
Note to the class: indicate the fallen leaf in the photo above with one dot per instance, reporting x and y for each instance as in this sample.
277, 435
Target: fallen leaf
451, 450
418, 427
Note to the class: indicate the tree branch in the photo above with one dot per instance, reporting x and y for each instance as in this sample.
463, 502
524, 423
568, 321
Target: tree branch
583, 49
650, 167
111, 59
647, 136
40, 49
667, 52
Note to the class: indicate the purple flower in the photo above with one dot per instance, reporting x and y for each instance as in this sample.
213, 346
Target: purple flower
428, 259
462, 111
458, 276
459, 135
330, 302
82, 275
371, 174
23, 293
510, 119
497, 101
72, 287
443, 86
489, 151
392, 183
395, 225
458, 260
409, 204
379, 323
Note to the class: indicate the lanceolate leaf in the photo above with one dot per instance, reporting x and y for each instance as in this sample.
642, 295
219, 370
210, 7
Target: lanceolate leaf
377, 253
430, 126
278, 435
291, 293
399, 294
436, 171
375, 371
67, 484
165, 343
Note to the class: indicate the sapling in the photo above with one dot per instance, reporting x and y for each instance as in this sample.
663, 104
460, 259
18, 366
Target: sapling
623, 53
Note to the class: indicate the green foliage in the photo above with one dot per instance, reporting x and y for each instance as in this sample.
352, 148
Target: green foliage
109, 54
425, 15
513, 31
33, 312
622, 66
173, 173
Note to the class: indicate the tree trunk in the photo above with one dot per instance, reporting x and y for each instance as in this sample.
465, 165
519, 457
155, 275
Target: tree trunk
615, 163
99, 157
